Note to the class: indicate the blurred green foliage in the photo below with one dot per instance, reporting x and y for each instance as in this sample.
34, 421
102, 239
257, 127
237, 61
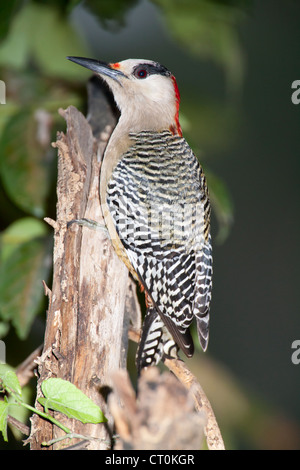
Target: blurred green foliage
24, 264
110, 14
208, 29
36, 36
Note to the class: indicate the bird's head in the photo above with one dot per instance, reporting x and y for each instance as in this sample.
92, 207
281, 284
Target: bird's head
145, 92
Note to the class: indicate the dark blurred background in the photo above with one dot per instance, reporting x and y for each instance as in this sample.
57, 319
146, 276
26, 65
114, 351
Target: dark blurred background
235, 62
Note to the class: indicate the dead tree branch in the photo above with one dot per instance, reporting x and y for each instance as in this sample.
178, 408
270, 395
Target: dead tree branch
83, 338
212, 431
163, 415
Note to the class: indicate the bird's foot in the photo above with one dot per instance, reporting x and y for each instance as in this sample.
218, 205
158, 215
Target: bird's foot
92, 224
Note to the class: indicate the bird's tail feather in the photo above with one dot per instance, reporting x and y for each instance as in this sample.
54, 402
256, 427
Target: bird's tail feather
156, 341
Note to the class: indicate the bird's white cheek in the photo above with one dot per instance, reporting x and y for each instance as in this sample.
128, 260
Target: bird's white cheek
156, 92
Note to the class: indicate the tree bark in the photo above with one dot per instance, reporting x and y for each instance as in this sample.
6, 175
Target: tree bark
163, 416
84, 330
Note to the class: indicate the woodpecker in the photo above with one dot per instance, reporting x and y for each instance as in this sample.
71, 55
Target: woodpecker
156, 207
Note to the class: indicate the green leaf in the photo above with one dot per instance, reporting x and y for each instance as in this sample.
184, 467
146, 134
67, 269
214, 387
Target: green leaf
112, 14
4, 328
9, 380
8, 10
21, 413
23, 164
20, 232
49, 42
3, 419
63, 396
55, 39
21, 290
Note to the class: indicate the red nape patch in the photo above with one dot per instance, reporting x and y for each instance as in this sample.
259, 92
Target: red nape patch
177, 129
148, 300
142, 288
115, 66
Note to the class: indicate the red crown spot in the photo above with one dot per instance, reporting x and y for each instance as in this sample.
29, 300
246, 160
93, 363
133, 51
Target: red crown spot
115, 66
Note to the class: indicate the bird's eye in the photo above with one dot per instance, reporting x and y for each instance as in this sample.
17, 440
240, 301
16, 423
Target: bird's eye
141, 73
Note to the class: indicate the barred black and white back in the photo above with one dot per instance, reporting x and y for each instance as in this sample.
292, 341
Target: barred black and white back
158, 199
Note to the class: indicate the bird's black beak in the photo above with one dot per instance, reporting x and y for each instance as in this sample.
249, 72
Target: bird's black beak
102, 68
